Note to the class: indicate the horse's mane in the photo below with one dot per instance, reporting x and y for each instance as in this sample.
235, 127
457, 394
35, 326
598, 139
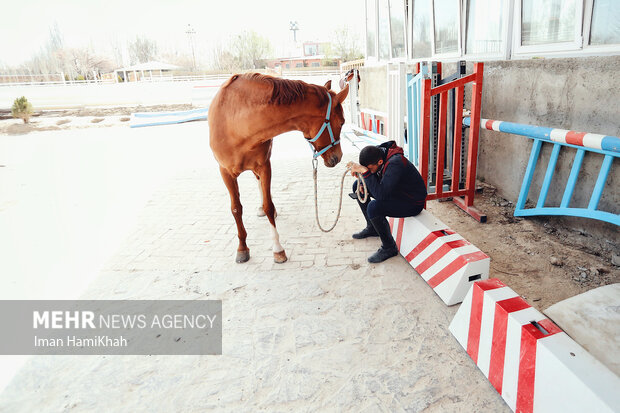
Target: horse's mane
285, 91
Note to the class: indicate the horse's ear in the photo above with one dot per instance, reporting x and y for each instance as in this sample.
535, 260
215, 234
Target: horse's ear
342, 95
328, 85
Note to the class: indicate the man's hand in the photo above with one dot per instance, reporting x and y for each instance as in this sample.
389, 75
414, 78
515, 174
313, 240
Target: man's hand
356, 168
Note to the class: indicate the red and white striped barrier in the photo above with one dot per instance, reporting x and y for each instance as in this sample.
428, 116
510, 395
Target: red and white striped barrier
444, 259
531, 362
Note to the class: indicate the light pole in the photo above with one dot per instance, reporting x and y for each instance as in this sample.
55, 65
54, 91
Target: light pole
294, 27
190, 35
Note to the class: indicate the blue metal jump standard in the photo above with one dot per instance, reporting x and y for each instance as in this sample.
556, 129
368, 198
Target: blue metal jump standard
608, 146
414, 106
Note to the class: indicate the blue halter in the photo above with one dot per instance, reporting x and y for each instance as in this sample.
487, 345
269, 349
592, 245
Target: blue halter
329, 128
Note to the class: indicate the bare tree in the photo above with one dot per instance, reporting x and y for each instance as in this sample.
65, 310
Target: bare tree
87, 63
223, 59
47, 60
56, 40
116, 47
250, 49
346, 45
173, 56
54, 58
142, 50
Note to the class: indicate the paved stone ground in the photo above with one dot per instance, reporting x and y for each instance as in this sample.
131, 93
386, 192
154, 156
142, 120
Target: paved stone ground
325, 331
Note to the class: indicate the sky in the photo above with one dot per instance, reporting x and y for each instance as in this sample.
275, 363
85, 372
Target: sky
100, 23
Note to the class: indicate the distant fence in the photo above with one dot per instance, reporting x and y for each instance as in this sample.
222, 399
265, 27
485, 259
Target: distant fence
28, 79
353, 64
59, 96
58, 79
20, 80
158, 91
324, 72
184, 78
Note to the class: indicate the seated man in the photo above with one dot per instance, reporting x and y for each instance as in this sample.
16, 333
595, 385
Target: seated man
398, 191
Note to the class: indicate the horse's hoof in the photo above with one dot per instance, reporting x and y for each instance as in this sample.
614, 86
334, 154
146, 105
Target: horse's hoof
242, 256
279, 257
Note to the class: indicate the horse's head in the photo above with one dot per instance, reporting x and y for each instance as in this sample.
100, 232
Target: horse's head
325, 144
349, 77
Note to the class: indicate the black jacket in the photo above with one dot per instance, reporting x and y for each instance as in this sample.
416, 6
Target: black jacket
397, 179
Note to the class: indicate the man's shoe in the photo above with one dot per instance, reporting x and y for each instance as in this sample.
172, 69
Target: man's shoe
369, 231
388, 246
383, 254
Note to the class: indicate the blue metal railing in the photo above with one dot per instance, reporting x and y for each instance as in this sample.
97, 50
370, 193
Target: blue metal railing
414, 107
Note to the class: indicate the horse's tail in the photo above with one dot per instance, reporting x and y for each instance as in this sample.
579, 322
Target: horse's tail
229, 81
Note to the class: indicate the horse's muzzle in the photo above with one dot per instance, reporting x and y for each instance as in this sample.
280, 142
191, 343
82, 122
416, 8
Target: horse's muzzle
332, 160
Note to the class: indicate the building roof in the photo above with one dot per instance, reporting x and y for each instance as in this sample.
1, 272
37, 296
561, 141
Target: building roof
152, 65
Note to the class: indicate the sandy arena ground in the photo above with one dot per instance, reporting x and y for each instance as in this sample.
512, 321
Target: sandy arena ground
102, 211
570, 262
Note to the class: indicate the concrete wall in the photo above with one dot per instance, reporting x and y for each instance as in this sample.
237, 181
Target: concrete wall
580, 94
373, 88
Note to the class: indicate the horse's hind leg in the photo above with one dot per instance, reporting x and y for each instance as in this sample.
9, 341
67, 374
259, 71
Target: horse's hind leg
261, 211
264, 172
243, 252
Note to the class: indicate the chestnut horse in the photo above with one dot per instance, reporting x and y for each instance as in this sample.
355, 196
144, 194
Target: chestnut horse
248, 111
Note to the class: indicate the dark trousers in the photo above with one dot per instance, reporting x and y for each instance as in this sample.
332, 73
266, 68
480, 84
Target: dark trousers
396, 208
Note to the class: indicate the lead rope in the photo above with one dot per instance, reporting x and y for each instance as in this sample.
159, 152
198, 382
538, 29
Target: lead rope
360, 183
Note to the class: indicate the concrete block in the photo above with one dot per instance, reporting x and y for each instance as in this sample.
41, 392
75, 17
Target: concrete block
593, 320
444, 259
530, 361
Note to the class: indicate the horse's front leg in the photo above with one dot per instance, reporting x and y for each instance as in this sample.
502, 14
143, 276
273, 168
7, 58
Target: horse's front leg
264, 172
243, 252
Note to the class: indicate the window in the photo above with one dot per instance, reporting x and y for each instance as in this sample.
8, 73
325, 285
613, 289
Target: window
485, 26
491, 29
446, 13
310, 49
371, 28
605, 22
421, 29
547, 21
384, 30
397, 27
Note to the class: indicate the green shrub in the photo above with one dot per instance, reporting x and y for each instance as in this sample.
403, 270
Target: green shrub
21, 109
